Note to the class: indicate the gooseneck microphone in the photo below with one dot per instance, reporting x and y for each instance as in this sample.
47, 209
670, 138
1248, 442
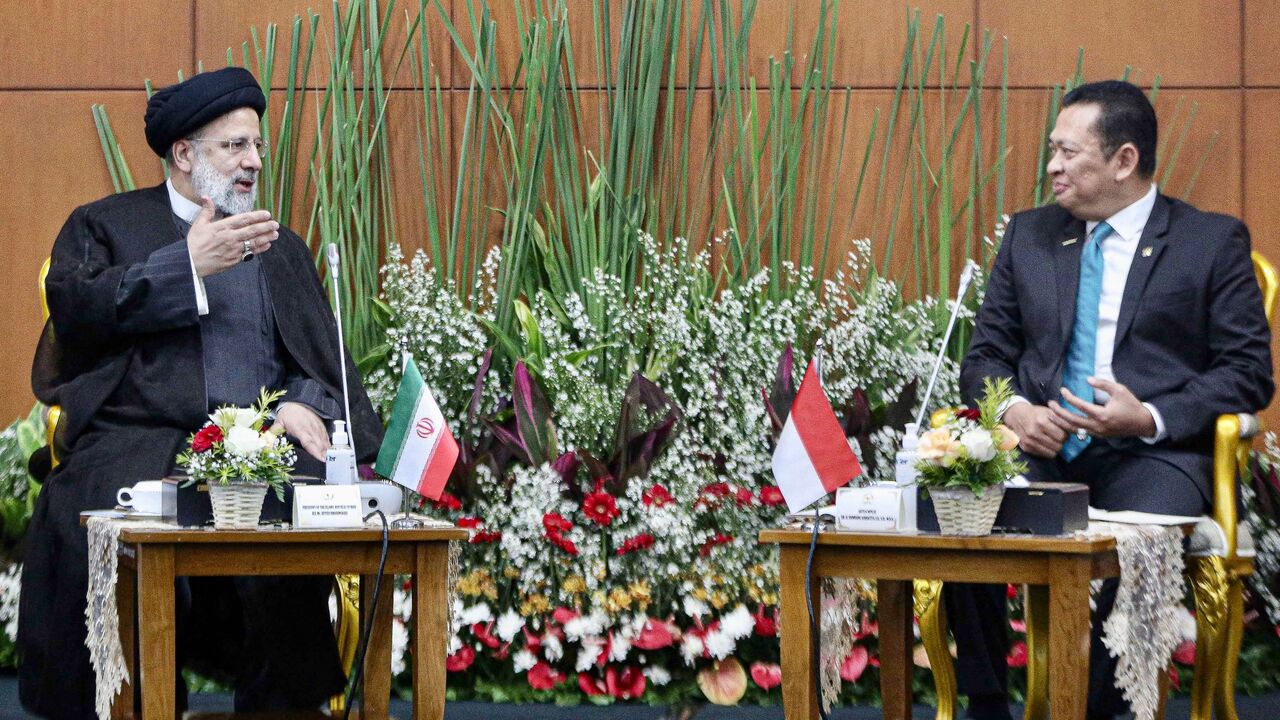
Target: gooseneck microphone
966, 279
334, 262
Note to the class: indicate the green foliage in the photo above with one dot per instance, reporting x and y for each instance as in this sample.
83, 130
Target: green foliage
18, 490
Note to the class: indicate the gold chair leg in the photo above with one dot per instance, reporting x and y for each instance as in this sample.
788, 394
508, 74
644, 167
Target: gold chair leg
1037, 618
933, 633
1209, 583
1233, 636
346, 628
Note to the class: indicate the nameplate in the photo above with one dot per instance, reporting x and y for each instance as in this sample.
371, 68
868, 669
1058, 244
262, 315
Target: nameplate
876, 508
327, 506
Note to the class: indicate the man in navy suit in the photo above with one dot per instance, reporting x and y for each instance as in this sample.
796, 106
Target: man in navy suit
1127, 322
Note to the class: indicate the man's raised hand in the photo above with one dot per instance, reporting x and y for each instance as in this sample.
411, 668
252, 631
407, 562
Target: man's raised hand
216, 245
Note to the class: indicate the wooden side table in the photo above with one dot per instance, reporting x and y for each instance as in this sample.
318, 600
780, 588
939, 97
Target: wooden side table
150, 559
1061, 567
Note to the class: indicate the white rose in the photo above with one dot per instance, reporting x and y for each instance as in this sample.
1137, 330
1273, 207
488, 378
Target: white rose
245, 417
244, 441
978, 445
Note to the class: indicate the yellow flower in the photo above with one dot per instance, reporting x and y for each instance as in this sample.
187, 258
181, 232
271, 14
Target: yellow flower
510, 573
619, 599
700, 594
640, 592
574, 584
719, 600
534, 605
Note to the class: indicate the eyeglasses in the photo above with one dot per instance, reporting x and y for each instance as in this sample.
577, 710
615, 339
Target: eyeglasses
237, 146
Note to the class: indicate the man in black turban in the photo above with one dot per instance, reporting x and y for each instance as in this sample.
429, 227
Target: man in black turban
164, 304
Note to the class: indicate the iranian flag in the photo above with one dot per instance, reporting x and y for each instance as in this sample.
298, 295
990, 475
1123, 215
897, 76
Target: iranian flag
418, 451
812, 458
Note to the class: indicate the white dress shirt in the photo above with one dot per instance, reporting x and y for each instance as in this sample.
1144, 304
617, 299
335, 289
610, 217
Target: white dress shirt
187, 210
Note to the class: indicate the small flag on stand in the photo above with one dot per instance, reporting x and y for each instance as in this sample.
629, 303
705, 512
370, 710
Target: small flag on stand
813, 457
418, 451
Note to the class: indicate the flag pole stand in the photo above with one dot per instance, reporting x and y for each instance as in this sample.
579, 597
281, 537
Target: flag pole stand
404, 522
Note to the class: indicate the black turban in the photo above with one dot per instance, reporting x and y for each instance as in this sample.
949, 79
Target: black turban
174, 112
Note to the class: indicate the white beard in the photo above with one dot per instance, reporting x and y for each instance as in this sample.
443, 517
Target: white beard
208, 182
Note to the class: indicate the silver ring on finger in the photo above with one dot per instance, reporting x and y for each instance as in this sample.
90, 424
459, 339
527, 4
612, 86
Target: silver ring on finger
248, 252
1082, 434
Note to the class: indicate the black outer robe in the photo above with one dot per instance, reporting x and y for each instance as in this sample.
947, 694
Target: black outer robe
130, 380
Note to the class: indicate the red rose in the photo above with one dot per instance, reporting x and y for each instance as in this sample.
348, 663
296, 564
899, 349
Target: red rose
447, 502
206, 437
655, 635
771, 496
1017, 655
717, 539
600, 507
643, 541
657, 496
555, 522
460, 660
969, 414
544, 677
562, 542
1185, 653
767, 675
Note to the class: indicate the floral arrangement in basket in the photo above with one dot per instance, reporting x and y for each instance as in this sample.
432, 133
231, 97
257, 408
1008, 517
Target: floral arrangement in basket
972, 449
234, 447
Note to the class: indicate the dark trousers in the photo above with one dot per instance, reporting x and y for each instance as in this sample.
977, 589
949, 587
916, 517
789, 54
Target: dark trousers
1126, 477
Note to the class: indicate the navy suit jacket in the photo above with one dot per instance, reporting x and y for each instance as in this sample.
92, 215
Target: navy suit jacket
1191, 338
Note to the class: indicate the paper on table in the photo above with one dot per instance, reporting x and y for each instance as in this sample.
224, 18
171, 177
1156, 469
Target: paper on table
1133, 517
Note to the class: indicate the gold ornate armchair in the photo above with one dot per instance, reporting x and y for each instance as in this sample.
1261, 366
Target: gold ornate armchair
1220, 555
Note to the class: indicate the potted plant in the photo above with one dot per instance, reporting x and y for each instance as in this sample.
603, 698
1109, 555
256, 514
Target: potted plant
964, 460
239, 460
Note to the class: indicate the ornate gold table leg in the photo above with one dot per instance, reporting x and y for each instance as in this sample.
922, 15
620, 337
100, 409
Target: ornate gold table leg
1037, 618
347, 628
1210, 583
1232, 636
933, 633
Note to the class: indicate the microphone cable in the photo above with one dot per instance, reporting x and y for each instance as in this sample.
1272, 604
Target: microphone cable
362, 646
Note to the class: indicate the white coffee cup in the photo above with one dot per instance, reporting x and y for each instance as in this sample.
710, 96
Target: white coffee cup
144, 497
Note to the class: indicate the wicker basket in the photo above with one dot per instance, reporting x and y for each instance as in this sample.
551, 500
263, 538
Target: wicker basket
960, 512
237, 505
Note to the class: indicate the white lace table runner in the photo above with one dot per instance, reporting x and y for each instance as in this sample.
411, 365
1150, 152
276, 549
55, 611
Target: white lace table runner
1141, 632
103, 620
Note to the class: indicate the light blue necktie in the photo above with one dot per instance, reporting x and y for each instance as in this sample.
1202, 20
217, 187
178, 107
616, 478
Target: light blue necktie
1084, 335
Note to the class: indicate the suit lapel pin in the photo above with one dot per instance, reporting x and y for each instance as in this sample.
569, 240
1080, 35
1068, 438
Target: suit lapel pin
1072, 241
1146, 251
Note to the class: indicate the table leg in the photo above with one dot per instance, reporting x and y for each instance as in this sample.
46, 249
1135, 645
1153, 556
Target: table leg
893, 608
157, 630
799, 676
1068, 637
430, 629
376, 691
125, 704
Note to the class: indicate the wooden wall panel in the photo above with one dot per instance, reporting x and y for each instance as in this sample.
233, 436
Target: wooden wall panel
869, 36
1261, 181
222, 24
407, 128
1261, 38
108, 44
1186, 42
56, 177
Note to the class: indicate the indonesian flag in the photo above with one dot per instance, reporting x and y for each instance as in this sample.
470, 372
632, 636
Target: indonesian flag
812, 458
418, 451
